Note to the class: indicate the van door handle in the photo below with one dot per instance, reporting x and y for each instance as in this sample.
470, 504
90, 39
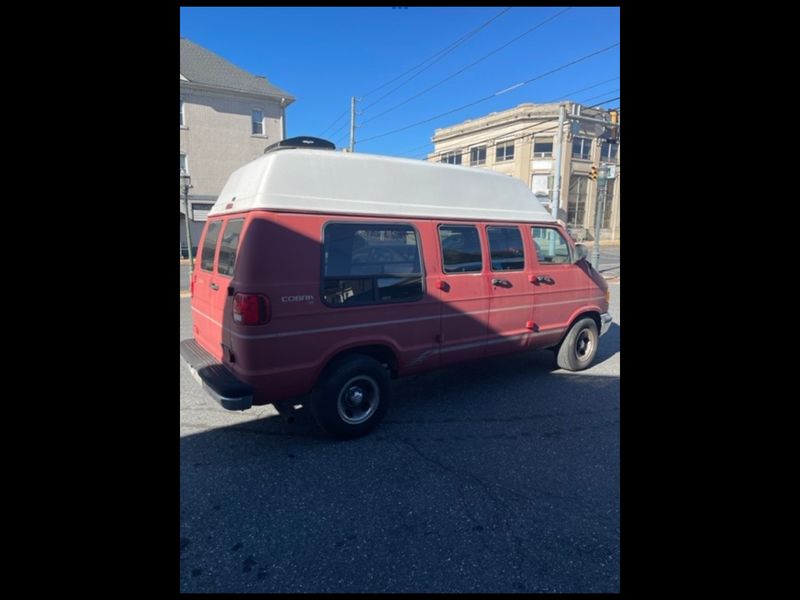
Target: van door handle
213, 286
544, 279
501, 282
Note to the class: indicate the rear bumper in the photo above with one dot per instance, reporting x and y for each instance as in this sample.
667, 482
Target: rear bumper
605, 322
216, 378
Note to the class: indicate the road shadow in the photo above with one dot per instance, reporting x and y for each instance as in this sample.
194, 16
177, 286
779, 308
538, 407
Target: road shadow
424, 397
496, 476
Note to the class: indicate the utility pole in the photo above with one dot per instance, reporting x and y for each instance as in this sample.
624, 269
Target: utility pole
599, 210
283, 118
352, 123
562, 111
186, 181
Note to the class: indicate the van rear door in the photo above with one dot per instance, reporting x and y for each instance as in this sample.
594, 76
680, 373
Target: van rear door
213, 275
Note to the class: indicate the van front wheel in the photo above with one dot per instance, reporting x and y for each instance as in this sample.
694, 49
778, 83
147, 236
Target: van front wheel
579, 347
352, 397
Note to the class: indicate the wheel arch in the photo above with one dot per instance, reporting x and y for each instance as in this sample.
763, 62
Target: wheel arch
591, 313
381, 352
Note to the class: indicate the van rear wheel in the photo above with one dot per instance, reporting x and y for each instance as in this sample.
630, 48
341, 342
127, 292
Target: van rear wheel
579, 347
352, 397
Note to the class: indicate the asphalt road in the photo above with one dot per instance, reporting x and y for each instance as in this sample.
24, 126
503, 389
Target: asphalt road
495, 476
184, 277
609, 260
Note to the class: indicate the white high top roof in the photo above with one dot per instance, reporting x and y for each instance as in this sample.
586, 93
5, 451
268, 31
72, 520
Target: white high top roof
330, 182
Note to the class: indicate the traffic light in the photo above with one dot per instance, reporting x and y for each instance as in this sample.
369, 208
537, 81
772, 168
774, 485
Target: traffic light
593, 173
613, 131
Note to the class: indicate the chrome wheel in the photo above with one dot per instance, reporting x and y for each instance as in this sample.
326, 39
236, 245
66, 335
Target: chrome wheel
358, 399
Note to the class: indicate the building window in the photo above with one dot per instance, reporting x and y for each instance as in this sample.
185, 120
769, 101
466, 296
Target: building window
542, 147
184, 164
576, 201
582, 148
505, 246
541, 184
183, 116
477, 156
370, 264
504, 151
258, 122
461, 248
200, 211
608, 152
451, 158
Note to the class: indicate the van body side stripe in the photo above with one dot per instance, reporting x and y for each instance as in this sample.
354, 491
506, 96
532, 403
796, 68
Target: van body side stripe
202, 314
379, 323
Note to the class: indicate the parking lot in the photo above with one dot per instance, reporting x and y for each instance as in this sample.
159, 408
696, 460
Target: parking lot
494, 476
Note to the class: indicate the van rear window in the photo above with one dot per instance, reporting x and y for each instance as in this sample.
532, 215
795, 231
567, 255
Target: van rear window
229, 245
370, 264
209, 246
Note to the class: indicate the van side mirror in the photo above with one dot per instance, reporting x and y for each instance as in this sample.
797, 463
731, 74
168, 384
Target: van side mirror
580, 252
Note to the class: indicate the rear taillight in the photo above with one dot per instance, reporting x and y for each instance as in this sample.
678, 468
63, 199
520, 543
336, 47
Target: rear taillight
251, 309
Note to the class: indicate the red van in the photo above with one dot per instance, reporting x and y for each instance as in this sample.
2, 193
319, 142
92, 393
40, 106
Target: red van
331, 273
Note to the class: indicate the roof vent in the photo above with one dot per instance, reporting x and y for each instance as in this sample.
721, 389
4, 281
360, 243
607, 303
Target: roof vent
301, 142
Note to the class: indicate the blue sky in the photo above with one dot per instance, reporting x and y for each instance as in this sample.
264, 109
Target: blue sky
324, 55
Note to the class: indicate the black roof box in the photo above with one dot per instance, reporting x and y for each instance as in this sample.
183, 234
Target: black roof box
304, 141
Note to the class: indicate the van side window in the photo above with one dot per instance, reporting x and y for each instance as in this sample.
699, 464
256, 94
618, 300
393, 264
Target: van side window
551, 247
505, 244
229, 245
209, 245
370, 264
461, 248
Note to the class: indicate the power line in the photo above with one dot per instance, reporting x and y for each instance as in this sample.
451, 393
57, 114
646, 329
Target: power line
484, 57
334, 122
464, 39
597, 96
496, 136
532, 133
444, 52
604, 102
499, 139
564, 96
343, 137
490, 96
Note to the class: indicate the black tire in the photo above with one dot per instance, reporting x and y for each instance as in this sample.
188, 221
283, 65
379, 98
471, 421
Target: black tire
579, 347
352, 397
